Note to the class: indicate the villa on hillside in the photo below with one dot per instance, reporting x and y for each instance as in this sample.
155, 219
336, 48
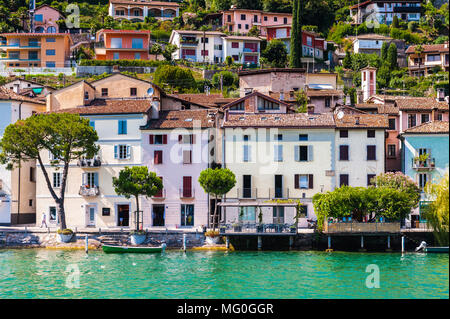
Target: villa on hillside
122, 44
384, 11
432, 56
138, 10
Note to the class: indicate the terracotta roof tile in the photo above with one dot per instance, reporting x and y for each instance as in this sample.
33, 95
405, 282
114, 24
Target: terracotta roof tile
318, 93
156, 3
7, 94
294, 120
182, 119
428, 48
410, 103
111, 106
436, 127
362, 121
212, 100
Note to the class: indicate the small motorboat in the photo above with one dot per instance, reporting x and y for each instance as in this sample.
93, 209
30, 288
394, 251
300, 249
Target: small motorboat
438, 250
109, 249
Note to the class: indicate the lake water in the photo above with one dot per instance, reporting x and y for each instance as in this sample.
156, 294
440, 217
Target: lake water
41, 273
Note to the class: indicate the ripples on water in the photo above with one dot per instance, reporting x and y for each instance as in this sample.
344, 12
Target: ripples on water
40, 273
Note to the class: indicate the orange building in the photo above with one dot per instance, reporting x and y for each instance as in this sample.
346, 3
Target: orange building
46, 50
122, 44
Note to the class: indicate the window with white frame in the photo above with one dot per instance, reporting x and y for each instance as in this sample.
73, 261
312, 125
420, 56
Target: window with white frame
56, 180
122, 151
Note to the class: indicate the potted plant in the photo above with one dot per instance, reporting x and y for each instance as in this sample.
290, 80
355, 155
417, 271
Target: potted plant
64, 235
423, 159
293, 229
138, 237
223, 229
237, 228
212, 237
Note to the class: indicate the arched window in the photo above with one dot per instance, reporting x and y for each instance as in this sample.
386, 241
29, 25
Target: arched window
39, 30
51, 30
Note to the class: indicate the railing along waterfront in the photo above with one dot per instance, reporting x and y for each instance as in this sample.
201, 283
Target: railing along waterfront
254, 228
354, 227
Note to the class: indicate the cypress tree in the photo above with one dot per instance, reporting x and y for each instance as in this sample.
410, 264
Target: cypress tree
294, 37
299, 28
384, 49
392, 56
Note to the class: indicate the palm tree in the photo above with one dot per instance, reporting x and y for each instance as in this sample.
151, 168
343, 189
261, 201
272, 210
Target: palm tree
204, 28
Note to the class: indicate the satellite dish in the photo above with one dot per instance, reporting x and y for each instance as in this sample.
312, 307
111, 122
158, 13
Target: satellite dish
150, 91
340, 115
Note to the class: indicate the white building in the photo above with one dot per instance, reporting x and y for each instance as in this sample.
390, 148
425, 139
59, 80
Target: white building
216, 47
383, 11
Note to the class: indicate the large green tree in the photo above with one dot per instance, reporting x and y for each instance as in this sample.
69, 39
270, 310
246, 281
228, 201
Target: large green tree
437, 213
276, 54
137, 181
67, 137
217, 182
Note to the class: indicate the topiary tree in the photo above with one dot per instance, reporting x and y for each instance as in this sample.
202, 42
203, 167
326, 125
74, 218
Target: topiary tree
217, 182
137, 181
395, 23
68, 137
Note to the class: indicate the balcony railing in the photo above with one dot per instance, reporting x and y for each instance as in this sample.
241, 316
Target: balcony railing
279, 192
90, 162
190, 42
355, 227
428, 164
250, 193
187, 193
247, 228
89, 191
249, 50
407, 9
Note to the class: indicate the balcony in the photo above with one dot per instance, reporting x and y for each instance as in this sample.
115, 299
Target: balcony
407, 9
90, 162
259, 229
89, 191
189, 42
355, 227
160, 195
32, 45
279, 192
247, 193
187, 193
249, 50
427, 165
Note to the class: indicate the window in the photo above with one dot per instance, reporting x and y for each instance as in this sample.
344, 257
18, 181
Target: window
187, 186
38, 18
304, 181
187, 157
187, 215
116, 43
239, 26
371, 152
52, 214
32, 174
247, 155
370, 133
278, 137
204, 52
158, 139
264, 104
218, 47
265, 18
425, 118
275, 19
246, 138
246, 26
158, 157
50, 64
392, 151
48, 40
116, 56
238, 107
343, 153
122, 151
423, 179
285, 20
302, 153
411, 120
255, 18
104, 92
137, 43
30, 203
243, 17
50, 52
205, 39
230, 28
133, 91
439, 117
343, 180
278, 153
343, 133
327, 102
228, 18
90, 180
433, 57
369, 179
92, 124
392, 124
86, 95
235, 45
186, 139
56, 180
122, 127
303, 137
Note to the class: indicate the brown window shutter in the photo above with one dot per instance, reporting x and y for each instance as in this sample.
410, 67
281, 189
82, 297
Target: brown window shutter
192, 139
190, 157
296, 182
311, 181
151, 139
165, 139
155, 157
180, 138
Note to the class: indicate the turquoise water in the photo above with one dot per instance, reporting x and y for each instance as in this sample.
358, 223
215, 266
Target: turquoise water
40, 273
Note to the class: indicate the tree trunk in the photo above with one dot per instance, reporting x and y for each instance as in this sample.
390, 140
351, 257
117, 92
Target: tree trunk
215, 212
137, 212
61, 211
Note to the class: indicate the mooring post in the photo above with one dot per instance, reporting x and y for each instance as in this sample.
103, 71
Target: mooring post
86, 245
389, 241
291, 242
329, 242
362, 242
184, 242
259, 243
227, 242
403, 244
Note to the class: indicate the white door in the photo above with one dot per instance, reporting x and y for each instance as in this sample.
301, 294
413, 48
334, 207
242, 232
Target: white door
90, 216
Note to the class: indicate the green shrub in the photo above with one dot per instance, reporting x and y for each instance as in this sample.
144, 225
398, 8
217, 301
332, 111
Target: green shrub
66, 231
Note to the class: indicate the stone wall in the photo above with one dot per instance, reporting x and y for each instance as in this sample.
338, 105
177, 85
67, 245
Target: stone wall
98, 69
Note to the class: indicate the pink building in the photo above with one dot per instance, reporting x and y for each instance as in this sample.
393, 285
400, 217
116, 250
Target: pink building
242, 20
45, 18
175, 146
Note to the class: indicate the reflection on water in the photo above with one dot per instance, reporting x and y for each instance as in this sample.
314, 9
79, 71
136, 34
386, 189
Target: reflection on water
40, 273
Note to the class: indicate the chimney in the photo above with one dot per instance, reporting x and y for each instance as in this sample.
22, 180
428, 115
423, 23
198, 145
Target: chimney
357, 120
155, 110
281, 96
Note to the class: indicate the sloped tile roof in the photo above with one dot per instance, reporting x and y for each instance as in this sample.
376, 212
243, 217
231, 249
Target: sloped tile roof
212, 100
435, 127
7, 94
182, 119
293, 120
113, 106
428, 48
362, 121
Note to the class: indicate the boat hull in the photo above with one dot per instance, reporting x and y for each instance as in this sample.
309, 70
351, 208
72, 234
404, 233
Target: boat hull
130, 249
439, 250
